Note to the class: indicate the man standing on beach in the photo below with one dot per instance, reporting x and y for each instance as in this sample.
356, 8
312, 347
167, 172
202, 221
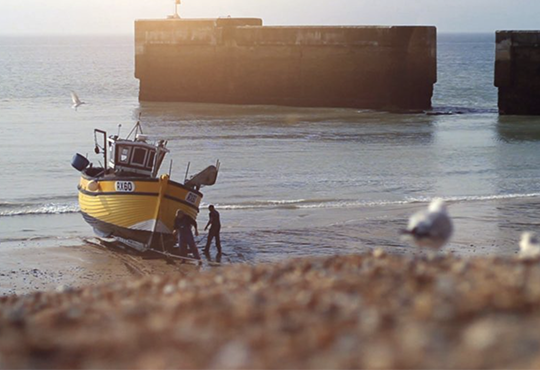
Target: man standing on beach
215, 227
182, 229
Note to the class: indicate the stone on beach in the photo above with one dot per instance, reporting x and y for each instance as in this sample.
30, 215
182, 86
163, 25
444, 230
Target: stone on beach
378, 310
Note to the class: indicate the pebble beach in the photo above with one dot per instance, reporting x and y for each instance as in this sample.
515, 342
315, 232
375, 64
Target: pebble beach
374, 310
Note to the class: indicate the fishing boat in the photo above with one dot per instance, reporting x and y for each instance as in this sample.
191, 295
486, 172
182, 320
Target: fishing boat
125, 199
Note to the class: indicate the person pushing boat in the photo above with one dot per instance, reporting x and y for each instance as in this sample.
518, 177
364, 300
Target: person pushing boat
182, 229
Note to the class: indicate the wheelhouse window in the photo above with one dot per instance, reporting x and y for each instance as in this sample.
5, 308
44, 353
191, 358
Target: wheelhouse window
123, 155
151, 157
139, 157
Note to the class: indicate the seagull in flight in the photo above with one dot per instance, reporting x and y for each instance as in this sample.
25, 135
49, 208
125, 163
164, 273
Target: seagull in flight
431, 228
76, 101
529, 246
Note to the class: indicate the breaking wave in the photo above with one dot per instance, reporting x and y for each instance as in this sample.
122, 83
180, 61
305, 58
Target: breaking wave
335, 203
25, 209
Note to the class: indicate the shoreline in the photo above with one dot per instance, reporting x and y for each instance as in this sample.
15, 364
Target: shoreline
483, 228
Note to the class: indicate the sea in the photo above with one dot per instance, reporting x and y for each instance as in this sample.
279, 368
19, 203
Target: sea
293, 182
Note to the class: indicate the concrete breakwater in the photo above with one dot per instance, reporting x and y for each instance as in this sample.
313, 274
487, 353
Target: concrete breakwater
517, 72
240, 61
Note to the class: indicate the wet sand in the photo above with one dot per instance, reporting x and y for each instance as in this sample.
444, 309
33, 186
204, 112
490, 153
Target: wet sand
26, 269
365, 311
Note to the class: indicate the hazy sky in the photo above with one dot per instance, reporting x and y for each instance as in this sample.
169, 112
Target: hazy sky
117, 16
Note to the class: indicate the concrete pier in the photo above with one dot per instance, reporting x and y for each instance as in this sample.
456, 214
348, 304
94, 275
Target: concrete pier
240, 61
517, 72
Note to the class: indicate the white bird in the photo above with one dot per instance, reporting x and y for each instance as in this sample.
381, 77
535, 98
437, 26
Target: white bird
76, 101
431, 228
529, 246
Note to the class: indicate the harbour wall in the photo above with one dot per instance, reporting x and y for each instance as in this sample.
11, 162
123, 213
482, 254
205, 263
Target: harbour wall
240, 61
517, 72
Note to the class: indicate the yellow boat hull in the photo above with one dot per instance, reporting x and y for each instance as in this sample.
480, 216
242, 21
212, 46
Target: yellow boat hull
137, 209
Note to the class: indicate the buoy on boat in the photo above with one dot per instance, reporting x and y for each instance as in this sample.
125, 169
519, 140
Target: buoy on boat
93, 186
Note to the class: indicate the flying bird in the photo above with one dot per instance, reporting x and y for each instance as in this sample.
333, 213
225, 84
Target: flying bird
76, 101
431, 228
529, 246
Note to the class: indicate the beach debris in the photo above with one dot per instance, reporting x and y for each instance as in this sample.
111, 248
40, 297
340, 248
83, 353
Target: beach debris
431, 228
529, 246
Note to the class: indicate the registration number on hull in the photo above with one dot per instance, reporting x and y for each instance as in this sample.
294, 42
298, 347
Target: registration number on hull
125, 186
191, 198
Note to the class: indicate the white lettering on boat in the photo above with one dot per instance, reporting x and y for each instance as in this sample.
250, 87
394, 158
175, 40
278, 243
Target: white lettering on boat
191, 198
125, 186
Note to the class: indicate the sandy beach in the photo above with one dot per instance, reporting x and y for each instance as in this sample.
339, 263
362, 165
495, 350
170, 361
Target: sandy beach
361, 311
26, 269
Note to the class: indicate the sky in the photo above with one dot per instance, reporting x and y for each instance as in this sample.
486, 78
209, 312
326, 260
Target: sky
77, 17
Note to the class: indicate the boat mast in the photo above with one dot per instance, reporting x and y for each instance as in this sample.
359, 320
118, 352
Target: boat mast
163, 183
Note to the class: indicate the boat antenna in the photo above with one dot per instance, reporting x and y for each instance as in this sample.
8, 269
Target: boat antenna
170, 168
119, 127
187, 171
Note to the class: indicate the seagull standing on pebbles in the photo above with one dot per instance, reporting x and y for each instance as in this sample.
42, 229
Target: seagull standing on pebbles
431, 228
76, 101
529, 246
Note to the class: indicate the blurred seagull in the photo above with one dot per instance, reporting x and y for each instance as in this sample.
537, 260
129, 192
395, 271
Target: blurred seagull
431, 228
529, 246
76, 101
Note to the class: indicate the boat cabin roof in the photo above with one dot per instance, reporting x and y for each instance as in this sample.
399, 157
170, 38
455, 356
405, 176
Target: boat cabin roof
136, 156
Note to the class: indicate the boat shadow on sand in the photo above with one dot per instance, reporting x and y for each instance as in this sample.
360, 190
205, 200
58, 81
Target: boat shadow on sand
136, 262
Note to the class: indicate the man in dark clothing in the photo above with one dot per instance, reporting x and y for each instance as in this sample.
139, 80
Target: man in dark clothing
215, 227
182, 229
